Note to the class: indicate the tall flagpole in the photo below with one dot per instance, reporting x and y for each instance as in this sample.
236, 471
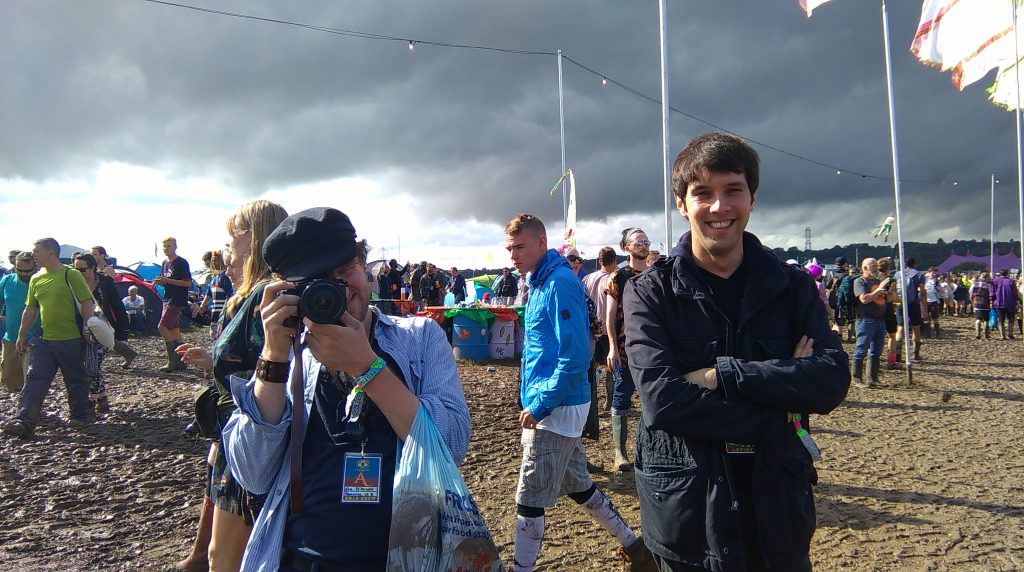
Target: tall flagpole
907, 329
1020, 162
561, 137
665, 151
992, 229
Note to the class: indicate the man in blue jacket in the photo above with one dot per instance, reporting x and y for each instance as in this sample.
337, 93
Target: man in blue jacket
556, 399
730, 350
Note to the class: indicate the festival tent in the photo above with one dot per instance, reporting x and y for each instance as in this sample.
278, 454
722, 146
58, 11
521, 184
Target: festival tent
485, 279
476, 288
1008, 261
66, 250
154, 303
146, 270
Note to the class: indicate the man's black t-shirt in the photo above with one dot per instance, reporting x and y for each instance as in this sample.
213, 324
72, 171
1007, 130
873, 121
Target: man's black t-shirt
728, 296
175, 270
727, 292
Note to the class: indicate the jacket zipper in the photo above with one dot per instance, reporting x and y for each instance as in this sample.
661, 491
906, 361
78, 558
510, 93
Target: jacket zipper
725, 454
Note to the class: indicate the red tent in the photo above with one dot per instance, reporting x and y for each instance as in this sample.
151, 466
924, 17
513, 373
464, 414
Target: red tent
154, 303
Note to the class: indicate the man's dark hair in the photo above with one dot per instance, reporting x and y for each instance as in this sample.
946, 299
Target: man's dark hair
1004, 273
606, 256
100, 249
911, 262
715, 153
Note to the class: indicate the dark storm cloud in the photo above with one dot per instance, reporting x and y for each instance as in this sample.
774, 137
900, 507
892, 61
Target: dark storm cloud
475, 133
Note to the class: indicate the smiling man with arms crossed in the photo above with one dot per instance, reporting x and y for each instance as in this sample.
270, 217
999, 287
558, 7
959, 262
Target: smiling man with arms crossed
723, 477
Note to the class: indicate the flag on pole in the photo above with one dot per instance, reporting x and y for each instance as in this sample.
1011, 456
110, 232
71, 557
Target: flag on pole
570, 223
885, 229
810, 5
559, 182
969, 37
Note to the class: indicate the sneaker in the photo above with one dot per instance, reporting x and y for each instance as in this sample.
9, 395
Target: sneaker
17, 428
637, 557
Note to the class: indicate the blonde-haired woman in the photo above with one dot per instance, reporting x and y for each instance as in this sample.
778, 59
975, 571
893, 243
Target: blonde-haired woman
234, 353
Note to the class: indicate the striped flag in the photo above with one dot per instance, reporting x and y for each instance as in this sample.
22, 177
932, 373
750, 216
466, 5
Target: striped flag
810, 5
969, 37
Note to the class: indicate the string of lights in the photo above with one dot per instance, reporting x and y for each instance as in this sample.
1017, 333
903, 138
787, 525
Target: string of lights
605, 78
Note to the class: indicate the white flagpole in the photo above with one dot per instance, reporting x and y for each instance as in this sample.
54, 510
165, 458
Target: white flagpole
561, 137
1020, 164
907, 329
665, 151
992, 229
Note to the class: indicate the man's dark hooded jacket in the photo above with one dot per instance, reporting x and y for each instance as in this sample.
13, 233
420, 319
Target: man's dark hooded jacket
673, 326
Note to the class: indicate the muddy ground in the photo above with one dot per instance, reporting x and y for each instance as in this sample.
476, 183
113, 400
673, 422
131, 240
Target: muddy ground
921, 478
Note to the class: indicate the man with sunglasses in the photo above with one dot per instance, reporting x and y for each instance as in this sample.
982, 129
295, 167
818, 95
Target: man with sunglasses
13, 292
637, 246
53, 296
297, 456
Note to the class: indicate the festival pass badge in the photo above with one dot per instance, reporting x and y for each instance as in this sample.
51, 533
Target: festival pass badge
361, 478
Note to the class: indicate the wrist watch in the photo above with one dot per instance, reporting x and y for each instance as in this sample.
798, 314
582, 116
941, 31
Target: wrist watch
271, 371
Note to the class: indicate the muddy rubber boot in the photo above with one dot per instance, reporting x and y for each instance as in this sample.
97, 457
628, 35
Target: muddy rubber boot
198, 560
890, 360
917, 350
637, 557
858, 372
938, 331
173, 359
122, 349
977, 329
873, 365
620, 430
1002, 330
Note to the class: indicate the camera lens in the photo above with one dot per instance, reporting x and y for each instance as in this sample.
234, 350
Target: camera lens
324, 301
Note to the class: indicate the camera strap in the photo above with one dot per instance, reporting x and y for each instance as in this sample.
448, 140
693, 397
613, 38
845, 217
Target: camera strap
298, 428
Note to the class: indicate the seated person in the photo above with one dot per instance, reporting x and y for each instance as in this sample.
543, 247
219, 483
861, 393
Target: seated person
135, 306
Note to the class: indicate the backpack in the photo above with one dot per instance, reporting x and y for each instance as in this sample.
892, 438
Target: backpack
844, 294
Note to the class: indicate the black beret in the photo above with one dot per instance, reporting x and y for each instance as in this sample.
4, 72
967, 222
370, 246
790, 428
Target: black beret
310, 244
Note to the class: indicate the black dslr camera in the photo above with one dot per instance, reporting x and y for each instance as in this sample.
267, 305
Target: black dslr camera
322, 300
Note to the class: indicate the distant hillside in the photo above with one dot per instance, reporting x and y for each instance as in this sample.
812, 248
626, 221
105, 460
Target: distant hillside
927, 254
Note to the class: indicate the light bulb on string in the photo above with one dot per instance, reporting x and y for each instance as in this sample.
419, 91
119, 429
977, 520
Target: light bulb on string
412, 45
839, 172
956, 183
604, 81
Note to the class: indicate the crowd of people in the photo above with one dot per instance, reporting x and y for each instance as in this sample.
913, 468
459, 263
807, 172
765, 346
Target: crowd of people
726, 374
866, 306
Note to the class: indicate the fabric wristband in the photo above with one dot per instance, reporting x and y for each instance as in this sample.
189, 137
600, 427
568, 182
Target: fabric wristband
367, 376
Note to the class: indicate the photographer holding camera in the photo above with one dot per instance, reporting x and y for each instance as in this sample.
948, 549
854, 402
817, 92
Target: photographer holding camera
360, 375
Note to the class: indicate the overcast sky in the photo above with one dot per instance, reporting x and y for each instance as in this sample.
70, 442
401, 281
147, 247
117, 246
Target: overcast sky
125, 121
